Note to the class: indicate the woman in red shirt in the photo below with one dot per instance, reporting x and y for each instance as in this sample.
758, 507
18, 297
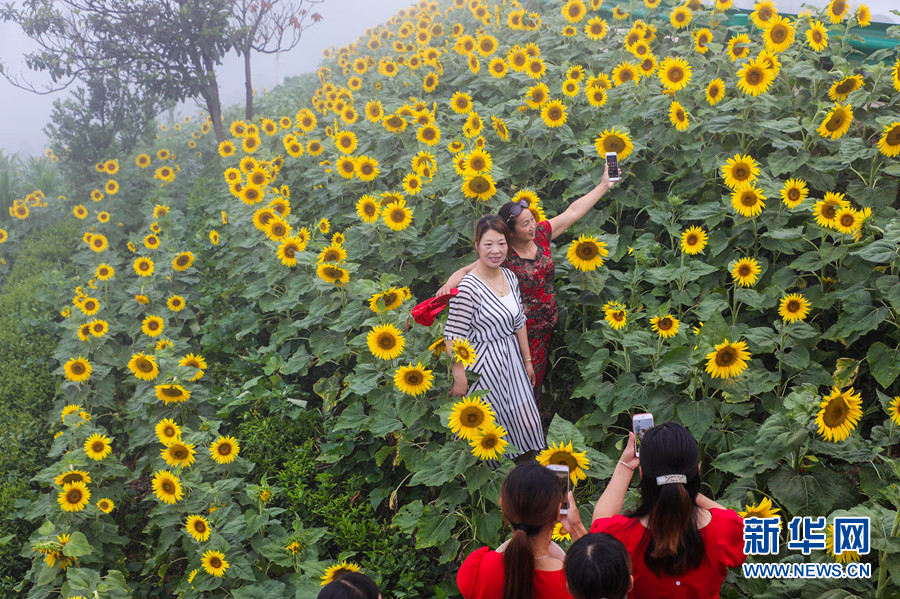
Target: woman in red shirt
530, 260
681, 543
530, 564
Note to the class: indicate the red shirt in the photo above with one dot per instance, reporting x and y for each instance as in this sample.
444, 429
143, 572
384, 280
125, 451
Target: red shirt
536, 282
481, 577
723, 540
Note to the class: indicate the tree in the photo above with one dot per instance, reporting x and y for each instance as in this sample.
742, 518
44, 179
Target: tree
164, 50
267, 28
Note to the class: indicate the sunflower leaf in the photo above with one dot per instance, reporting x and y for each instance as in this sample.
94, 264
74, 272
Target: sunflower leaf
77, 546
884, 363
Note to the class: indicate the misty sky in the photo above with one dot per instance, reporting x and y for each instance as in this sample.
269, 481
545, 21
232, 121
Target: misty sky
25, 113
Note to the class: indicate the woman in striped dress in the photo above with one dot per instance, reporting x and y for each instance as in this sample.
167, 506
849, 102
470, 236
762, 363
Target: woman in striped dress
488, 313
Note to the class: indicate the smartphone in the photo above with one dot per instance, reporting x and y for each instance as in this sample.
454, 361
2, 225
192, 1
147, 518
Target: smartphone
562, 475
612, 160
639, 424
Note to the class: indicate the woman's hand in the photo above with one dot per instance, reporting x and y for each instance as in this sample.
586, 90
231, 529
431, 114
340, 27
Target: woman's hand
529, 370
571, 521
454, 280
628, 454
459, 387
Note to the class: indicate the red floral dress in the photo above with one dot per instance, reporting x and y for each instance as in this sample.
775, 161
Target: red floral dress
538, 298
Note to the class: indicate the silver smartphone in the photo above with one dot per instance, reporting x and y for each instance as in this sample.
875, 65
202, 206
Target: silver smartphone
639, 424
562, 475
612, 160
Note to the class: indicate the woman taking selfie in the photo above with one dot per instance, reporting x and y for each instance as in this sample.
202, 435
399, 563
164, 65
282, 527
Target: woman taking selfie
488, 314
530, 260
529, 565
681, 543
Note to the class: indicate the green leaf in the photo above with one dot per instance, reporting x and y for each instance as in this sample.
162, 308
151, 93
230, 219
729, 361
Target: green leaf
879, 252
805, 494
884, 363
455, 459
563, 431
697, 415
435, 527
77, 546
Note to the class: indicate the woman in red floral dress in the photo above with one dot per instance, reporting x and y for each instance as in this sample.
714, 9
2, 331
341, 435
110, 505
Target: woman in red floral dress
530, 260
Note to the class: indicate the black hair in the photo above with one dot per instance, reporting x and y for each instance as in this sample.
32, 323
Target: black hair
490, 222
508, 214
530, 498
598, 565
352, 585
674, 545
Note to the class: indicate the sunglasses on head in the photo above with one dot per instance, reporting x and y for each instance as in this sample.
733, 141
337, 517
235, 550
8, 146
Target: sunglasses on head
515, 210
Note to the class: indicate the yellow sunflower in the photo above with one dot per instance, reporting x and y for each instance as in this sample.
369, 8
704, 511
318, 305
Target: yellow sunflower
778, 34
889, 144
77, 370
172, 393
463, 352
143, 267
385, 342
825, 210
748, 200
413, 380
727, 360
143, 367
837, 122
461, 102
175, 303
565, 455
665, 326
754, 77
745, 272
367, 209
89, 306
224, 450
674, 73
616, 315
793, 307
335, 571
817, 36
332, 274
167, 431
740, 170
105, 505
332, 253
74, 497
554, 114
764, 509
839, 90
625, 72
537, 95
678, 116
97, 446
763, 12
178, 454
366, 168
838, 10
613, 140
72, 476
480, 186
214, 563
198, 527
693, 240
388, 300
397, 216
738, 47
847, 221
839, 414
794, 192
105, 272
894, 410
586, 253
152, 326
488, 443
468, 415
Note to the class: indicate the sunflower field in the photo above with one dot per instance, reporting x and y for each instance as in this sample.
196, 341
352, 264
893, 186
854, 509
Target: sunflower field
244, 406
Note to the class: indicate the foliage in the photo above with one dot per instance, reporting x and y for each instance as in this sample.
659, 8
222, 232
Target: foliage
283, 335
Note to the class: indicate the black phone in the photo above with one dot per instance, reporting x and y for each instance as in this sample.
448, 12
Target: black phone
612, 160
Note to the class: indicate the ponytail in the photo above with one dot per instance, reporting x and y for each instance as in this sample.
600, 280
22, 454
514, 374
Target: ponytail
518, 567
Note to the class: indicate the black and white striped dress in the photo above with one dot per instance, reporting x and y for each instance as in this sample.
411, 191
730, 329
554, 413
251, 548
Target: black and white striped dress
490, 324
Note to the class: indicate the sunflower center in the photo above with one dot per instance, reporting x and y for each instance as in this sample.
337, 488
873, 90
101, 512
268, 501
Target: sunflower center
74, 496
182, 260
618, 315
835, 412
180, 452
477, 163
153, 325
369, 209
199, 526
334, 273
817, 36
397, 215
414, 378
679, 114
675, 74
846, 86
626, 75
278, 229
290, 251
587, 251
893, 136
564, 459
836, 121
386, 341
665, 323
389, 298
169, 431
793, 194
172, 391
828, 211
778, 34
838, 7
744, 270
847, 220
98, 446
472, 417
792, 306
614, 143
555, 113
726, 357
479, 185
224, 449
72, 478
691, 240
748, 199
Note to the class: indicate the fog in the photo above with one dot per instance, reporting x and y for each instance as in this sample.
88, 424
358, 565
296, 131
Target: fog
25, 114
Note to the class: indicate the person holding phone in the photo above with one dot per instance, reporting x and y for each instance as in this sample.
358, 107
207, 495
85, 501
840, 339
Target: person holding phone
530, 261
681, 543
529, 564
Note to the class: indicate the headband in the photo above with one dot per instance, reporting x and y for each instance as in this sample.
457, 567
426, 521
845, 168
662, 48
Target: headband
527, 529
669, 479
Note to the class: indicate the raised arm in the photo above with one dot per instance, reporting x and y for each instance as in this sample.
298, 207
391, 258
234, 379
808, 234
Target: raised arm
455, 278
613, 498
580, 207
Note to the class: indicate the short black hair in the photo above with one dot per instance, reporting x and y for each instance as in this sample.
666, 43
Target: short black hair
352, 585
598, 565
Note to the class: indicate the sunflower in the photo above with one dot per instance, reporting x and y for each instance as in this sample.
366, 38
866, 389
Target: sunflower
748, 200
817, 36
647, 66
693, 240
889, 144
72, 476
613, 140
764, 11
480, 186
105, 505
143, 367
198, 527
366, 168
754, 77
333, 253
142, 160
224, 450
678, 117
167, 487
727, 360
778, 34
894, 410
89, 306
839, 90
97, 446
845, 556
413, 380
615, 315
77, 370
368, 209
825, 211
178, 454
537, 95
98, 243
172, 393
98, 327
586, 253
478, 161
565, 455
554, 114
143, 266
389, 300
674, 73
385, 342
740, 170
488, 443
332, 274
429, 134
596, 95
847, 221
288, 250
397, 216
80, 212
335, 571
461, 102
194, 361
838, 10
152, 325
745, 272
839, 414
625, 72
794, 192
74, 497
182, 261
665, 326
737, 47
863, 16
596, 29
837, 121
167, 431
764, 509
574, 10
463, 352
346, 167
793, 307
